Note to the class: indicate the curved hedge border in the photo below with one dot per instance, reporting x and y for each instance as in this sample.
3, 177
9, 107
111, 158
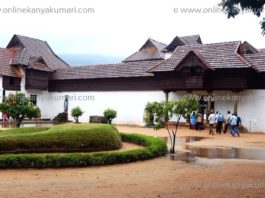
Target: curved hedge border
153, 147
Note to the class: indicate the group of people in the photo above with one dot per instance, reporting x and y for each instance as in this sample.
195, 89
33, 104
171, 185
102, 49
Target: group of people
231, 122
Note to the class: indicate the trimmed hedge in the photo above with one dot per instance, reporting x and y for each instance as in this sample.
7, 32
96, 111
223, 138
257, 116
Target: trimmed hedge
60, 138
153, 147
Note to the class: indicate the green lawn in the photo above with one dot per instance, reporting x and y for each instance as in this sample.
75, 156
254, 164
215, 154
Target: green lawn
64, 138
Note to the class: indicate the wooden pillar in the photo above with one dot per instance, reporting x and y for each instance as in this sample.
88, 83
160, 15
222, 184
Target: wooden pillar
236, 100
166, 92
235, 106
209, 103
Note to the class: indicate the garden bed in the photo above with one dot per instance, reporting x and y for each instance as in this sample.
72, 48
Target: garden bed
152, 147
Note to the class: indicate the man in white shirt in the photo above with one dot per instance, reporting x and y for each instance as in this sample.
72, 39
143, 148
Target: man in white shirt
233, 124
211, 120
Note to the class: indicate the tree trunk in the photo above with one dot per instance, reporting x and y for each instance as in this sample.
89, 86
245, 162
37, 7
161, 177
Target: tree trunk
18, 123
173, 138
172, 150
76, 120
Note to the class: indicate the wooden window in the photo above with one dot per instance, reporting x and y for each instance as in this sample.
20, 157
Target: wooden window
192, 71
11, 81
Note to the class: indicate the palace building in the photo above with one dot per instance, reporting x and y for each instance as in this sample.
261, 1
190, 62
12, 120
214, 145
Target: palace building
226, 76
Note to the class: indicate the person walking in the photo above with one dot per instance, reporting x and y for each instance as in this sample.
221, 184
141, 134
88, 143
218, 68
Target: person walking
220, 120
199, 122
216, 114
237, 125
227, 123
193, 120
211, 120
233, 124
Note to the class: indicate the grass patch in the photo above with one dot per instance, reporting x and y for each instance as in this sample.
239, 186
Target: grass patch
60, 138
21, 131
153, 147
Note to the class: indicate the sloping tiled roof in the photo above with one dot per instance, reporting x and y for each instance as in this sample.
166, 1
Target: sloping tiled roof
143, 56
5, 68
190, 40
35, 48
184, 40
148, 55
257, 60
122, 70
262, 50
217, 55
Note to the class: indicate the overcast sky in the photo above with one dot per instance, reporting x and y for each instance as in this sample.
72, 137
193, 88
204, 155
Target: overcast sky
117, 28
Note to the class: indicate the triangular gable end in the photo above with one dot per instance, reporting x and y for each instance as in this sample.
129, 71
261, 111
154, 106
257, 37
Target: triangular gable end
247, 48
199, 40
148, 44
192, 59
15, 42
39, 63
173, 45
40, 60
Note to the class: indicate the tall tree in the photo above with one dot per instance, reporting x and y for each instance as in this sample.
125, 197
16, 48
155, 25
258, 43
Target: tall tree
234, 7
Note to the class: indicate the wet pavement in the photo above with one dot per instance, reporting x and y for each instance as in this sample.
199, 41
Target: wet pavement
189, 153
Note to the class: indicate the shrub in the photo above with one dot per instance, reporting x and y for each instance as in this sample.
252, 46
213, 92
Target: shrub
76, 113
149, 115
153, 147
19, 107
110, 114
65, 137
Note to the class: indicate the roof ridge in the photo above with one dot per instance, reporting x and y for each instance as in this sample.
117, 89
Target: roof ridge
206, 44
55, 53
191, 35
19, 35
80, 66
243, 60
153, 67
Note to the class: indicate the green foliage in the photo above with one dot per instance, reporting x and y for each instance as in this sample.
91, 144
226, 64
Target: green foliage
149, 114
66, 137
189, 103
19, 107
232, 8
110, 114
164, 111
153, 147
76, 113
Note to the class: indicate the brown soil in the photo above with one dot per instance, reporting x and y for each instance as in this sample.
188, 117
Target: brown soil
159, 177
